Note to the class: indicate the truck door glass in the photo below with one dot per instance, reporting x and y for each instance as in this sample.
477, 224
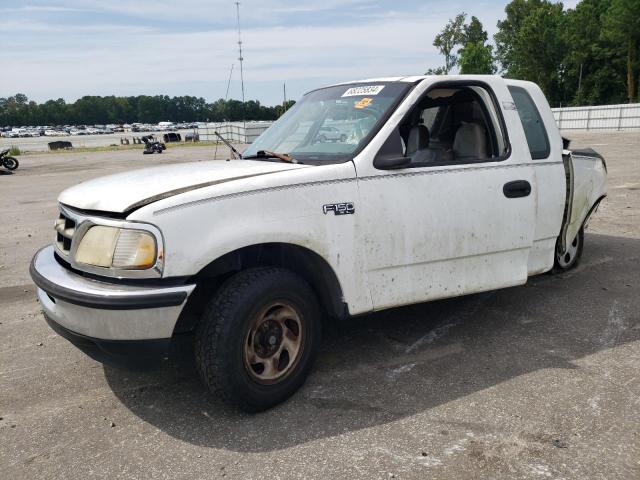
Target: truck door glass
457, 124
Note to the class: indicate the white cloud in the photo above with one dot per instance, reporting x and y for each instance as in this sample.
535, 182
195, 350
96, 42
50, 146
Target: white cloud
53, 59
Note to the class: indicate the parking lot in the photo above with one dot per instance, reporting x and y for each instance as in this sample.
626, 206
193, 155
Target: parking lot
41, 144
538, 381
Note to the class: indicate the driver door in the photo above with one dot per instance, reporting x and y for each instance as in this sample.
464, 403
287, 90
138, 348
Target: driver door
451, 226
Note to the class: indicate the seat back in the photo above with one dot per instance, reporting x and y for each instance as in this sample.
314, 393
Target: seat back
470, 141
418, 139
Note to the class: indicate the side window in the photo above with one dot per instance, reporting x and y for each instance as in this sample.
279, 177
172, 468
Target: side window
532, 123
453, 124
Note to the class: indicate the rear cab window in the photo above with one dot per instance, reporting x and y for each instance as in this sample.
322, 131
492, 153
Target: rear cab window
532, 124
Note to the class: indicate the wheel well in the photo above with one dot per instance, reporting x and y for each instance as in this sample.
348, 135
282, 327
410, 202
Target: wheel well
306, 263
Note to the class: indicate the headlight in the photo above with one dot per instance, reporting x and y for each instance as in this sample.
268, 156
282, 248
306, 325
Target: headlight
97, 246
116, 247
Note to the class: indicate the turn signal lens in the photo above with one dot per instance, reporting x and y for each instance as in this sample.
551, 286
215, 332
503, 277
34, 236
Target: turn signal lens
135, 249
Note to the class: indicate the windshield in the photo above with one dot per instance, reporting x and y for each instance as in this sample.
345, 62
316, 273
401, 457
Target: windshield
330, 124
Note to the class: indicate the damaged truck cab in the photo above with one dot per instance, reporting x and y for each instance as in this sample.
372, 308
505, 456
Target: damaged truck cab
428, 187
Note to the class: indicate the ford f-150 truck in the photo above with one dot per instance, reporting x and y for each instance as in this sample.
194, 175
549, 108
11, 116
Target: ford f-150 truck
435, 186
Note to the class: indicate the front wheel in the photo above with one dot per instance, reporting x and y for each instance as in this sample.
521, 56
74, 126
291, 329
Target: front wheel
571, 256
258, 338
10, 163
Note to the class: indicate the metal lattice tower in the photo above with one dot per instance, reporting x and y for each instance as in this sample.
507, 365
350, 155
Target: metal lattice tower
240, 51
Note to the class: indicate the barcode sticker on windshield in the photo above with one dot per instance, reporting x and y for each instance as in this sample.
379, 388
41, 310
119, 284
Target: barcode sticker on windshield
364, 90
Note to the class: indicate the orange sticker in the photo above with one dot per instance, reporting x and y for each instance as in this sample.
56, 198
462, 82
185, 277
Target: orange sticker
365, 102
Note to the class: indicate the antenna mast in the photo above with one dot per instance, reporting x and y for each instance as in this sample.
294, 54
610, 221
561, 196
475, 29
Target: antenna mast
240, 50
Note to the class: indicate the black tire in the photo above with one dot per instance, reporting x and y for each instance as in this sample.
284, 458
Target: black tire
322, 139
570, 258
343, 138
223, 337
10, 163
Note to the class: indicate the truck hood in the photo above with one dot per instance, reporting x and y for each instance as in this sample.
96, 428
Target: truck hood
124, 192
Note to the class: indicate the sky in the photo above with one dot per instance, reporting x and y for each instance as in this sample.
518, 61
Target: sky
71, 48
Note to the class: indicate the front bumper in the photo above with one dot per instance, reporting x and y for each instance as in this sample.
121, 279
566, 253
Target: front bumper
102, 311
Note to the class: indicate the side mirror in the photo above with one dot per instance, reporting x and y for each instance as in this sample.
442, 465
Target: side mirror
389, 163
390, 155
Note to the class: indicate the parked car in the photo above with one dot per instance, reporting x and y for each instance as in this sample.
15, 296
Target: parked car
445, 186
330, 134
56, 133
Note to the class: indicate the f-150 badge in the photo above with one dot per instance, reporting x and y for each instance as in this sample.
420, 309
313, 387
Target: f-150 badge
346, 208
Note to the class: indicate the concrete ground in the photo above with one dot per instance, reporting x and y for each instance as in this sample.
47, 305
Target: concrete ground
538, 381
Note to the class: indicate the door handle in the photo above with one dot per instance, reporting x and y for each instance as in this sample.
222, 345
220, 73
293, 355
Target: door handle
516, 189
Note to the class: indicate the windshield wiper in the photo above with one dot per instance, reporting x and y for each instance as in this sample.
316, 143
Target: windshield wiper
266, 154
226, 142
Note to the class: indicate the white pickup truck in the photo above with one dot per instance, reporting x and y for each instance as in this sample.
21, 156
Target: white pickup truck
435, 186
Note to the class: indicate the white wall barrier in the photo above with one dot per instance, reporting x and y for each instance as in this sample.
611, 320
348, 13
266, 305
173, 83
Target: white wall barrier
605, 117
234, 132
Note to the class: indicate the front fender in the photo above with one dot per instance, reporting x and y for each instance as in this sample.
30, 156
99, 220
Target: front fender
200, 227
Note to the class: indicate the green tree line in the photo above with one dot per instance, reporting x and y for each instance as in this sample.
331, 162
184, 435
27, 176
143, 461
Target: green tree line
582, 56
94, 110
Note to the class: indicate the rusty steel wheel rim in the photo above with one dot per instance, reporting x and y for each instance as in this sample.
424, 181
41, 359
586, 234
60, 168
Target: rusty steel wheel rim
273, 345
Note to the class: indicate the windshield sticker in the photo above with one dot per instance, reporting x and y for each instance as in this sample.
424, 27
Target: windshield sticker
365, 102
364, 90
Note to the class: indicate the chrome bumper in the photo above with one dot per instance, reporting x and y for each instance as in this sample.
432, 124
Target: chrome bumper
103, 310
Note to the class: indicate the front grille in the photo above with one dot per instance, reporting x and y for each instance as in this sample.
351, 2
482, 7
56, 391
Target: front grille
65, 229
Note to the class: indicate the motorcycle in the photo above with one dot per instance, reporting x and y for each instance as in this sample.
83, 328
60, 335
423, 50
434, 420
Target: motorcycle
8, 162
151, 145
